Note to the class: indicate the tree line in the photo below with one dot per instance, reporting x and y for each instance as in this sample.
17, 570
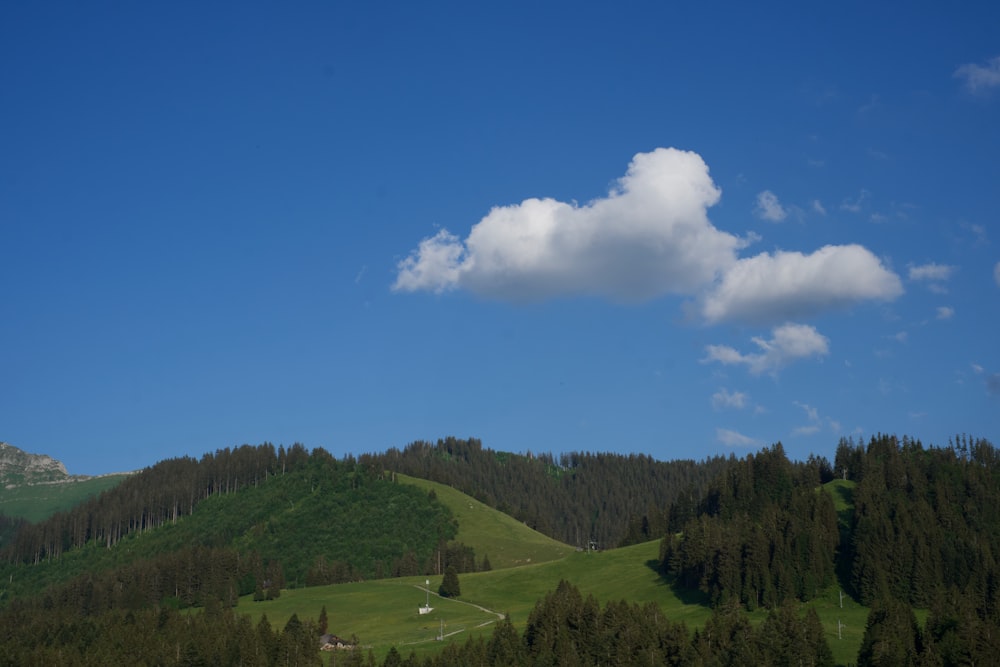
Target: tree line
603, 499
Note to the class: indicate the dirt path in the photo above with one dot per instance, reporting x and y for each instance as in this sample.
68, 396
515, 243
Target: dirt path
482, 609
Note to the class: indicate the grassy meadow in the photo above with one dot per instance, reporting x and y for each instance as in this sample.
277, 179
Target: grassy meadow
37, 502
527, 565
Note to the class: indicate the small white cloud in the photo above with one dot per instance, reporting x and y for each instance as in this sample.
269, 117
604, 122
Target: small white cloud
945, 313
811, 412
789, 342
733, 439
980, 78
878, 218
789, 285
931, 272
977, 369
724, 399
817, 206
806, 430
769, 208
855, 205
900, 337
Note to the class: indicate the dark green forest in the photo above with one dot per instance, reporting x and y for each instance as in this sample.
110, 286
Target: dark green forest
608, 499
759, 532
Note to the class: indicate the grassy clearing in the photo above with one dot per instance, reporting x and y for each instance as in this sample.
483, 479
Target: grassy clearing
527, 565
40, 501
505, 540
842, 492
384, 613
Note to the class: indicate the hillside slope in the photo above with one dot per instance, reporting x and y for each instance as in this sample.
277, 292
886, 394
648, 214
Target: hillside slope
506, 541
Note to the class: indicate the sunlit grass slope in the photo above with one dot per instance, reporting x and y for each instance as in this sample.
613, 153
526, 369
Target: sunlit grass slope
383, 613
505, 540
40, 501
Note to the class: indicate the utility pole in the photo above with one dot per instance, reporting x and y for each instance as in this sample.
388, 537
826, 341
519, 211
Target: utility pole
841, 599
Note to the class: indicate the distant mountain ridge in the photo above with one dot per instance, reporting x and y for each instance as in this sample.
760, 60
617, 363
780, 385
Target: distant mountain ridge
18, 467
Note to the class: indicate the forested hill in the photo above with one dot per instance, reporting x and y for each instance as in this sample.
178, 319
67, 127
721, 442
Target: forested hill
610, 499
248, 516
924, 533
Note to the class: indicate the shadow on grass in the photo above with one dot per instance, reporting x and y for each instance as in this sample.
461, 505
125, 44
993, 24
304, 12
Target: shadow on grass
685, 595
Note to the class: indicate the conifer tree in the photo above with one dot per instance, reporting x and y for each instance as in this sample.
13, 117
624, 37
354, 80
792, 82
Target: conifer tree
449, 585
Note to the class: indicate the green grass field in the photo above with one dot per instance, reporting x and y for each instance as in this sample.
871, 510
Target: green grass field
527, 565
505, 540
40, 501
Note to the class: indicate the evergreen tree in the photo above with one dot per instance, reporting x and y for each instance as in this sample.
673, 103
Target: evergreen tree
449, 585
323, 621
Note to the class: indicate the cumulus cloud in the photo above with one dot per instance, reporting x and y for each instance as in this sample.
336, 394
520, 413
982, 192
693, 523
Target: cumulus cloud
789, 342
789, 285
945, 313
724, 399
769, 208
980, 78
649, 237
734, 439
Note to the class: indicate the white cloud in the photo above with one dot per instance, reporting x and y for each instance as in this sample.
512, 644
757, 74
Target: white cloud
816, 421
854, 206
724, 399
769, 208
977, 369
931, 272
818, 207
811, 412
996, 274
979, 78
789, 285
789, 342
649, 236
733, 439
945, 313
433, 266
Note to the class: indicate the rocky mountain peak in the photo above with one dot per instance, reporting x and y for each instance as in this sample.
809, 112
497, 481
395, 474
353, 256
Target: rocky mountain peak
19, 467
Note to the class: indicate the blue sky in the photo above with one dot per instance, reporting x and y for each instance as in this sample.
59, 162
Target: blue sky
675, 230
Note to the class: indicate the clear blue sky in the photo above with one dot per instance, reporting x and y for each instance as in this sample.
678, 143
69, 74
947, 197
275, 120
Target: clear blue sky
676, 229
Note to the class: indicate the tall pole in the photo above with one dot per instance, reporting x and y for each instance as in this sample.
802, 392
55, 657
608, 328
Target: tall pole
428, 591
